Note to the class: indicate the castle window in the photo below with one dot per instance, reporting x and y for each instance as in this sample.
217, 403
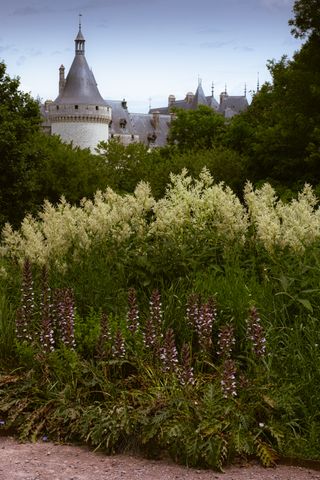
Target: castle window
152, 137
97, 108
122, 122
57, 107
76, 107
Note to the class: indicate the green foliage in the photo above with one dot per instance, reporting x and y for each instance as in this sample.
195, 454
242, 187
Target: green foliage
278, 134
306, 21
19, 125
66, 171
196, 129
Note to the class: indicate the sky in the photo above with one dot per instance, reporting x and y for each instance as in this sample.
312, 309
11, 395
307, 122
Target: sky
145, 50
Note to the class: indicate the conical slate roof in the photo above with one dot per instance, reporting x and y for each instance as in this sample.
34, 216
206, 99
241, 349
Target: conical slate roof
80, 86
199, 97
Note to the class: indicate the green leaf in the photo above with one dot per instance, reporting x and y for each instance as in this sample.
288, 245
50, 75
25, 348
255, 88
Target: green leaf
307, 305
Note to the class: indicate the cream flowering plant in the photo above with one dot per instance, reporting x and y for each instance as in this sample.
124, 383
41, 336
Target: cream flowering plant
278, 225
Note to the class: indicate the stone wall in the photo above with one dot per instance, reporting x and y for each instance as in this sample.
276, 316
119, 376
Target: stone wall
81, 134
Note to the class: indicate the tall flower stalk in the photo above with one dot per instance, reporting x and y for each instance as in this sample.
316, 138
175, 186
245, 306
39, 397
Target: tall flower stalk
104, 336
118, 346
255, 333
186, 374
46, 334
133, 313
25, 313
201, 317
226, 341
153, 328
169, 353
65, 315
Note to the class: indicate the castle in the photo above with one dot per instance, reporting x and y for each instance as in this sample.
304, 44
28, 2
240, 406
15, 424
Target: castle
79, 115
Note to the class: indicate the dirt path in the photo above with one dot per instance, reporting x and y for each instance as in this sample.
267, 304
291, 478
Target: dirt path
47, 461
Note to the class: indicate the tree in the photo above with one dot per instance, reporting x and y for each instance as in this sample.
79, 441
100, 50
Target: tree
196, 129
19, 124
306, 22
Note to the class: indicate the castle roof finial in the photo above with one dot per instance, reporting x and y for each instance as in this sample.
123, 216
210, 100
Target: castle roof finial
245, 89
79, 41
258, 84
212, 89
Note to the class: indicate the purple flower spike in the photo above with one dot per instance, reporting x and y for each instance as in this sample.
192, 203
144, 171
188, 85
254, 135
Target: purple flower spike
255, 333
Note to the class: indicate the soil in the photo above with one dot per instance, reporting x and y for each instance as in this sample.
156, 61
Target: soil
49, 461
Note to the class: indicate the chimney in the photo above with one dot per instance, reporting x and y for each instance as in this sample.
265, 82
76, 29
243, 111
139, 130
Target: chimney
171, 100
155, 119
189, 97
62, 80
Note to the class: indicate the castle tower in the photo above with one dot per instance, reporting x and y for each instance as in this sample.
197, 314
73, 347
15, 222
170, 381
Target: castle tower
79, 114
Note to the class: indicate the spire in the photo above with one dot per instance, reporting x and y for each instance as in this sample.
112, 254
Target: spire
80, 86
258, 84
79, 41
245, 89
212, 89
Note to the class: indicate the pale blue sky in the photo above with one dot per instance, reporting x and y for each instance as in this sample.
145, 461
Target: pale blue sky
142, 49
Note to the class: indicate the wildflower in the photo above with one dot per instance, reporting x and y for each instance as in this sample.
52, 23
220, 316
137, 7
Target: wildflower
118, 347
201, 318
255, 333
186, 375
168, 352
193, 308
46, 334
153, 335
65, 315
228, 380
25, 312
104, 335
226, 341
133, 313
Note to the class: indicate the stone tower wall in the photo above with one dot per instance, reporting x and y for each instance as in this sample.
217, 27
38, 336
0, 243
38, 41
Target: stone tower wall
81, 134
83, 125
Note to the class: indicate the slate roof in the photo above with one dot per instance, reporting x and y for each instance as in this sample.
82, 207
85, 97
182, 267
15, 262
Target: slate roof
151, 128
199, 98
229, 104
81, 86
121, 121
234, 103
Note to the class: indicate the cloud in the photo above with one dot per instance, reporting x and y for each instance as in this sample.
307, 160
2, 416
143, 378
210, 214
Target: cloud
25, 11
32, 52
215, 44
244, 48
209, 31
8, 48
21, 60
277, 3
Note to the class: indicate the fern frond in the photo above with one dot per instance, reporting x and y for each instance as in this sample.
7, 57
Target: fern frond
266, 454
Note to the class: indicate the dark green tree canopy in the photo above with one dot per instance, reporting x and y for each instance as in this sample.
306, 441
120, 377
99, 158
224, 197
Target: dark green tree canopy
196, 129
19, 122
306, 21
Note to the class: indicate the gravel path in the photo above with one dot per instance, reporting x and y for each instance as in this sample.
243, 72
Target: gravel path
48, 461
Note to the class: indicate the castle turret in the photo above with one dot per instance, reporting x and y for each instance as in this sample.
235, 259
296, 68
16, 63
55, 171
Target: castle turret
62, 80
79, 114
